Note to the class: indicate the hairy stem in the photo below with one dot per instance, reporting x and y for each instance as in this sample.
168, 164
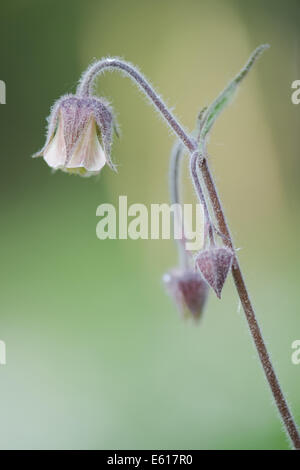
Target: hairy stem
174, 183
85, 89
255, 330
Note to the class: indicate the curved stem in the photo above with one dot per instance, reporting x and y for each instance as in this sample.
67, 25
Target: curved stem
85, 89
199, 192
174, 182
255, 330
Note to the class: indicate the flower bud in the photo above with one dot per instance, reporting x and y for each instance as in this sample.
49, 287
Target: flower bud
214, 265
189, 291
79, 135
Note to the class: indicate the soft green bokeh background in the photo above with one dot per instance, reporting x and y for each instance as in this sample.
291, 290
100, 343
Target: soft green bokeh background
97, 356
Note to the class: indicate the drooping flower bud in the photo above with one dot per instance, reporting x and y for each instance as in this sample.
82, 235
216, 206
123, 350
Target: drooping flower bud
79, 135
188, 289
214, 265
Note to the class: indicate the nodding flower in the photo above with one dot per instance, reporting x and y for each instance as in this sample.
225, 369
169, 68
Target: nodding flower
188, 289
79, 135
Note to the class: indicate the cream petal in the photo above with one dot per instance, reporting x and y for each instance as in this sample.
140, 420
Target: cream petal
55, 153
88, 153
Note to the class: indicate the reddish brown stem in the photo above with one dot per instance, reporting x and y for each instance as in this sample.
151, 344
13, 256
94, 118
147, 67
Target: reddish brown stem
280, 400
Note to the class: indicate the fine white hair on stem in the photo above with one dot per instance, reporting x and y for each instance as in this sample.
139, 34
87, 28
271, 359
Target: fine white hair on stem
175, 168
227, 95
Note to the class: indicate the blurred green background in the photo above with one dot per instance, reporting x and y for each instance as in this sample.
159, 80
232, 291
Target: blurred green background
97, 356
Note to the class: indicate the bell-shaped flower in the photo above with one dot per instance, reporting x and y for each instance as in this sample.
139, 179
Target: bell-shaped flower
79, 135
188, 289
